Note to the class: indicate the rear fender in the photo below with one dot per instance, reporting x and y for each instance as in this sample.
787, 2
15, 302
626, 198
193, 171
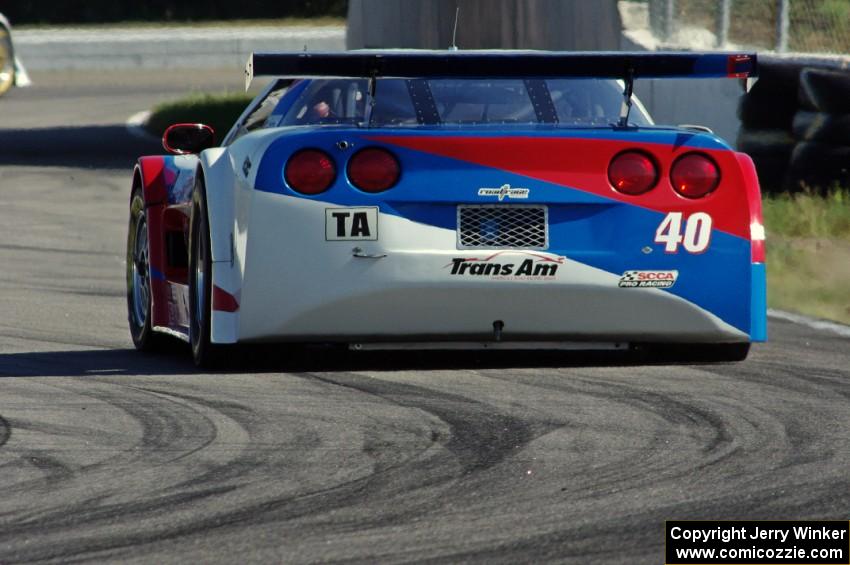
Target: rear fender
216, 172
758, 285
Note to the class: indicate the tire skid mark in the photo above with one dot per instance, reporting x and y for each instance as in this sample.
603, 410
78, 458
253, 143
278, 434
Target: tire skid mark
237, 468
698, 452
208, 423
5, 430
168, 427
703, 426
53, 470
481, 436
593, 542
714, 431
95, 513
820, 382
166, 432
479, 440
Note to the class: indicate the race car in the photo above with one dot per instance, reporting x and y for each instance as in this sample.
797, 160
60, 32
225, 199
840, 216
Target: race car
12, 72
451, 200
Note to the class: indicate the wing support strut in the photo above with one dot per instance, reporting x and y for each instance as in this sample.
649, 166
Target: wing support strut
370, 99
628, 90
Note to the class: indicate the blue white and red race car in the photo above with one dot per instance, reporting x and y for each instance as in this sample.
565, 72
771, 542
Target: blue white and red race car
451, 199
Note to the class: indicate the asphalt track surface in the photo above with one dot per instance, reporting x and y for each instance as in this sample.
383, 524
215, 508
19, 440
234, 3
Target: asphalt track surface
110, 455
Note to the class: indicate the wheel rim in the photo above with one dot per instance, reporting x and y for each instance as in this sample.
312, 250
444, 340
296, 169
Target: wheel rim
141, 274
199, 280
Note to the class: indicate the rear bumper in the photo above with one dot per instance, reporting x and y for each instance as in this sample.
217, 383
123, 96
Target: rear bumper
405, 311
296, 286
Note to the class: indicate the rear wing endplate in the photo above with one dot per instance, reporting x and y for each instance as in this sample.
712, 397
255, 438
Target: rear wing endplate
500, 64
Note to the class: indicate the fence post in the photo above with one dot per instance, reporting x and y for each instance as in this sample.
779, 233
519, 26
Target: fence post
669, 17
723, 22
782, 25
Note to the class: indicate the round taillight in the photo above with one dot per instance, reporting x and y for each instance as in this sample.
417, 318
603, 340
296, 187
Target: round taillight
694, 175
373, 169
632, 172
310, 171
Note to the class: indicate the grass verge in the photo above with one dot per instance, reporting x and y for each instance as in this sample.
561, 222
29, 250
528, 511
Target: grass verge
217, 110
808, 253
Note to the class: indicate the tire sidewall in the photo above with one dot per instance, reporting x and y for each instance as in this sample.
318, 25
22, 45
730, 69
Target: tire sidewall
140, 333
199, 332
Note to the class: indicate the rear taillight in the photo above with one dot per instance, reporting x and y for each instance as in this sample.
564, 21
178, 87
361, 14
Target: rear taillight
694, 175
373, 169
632, 172
310, 171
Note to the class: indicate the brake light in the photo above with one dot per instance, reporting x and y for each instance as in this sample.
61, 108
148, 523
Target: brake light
310, 171
694, 175
373, 170
633, 173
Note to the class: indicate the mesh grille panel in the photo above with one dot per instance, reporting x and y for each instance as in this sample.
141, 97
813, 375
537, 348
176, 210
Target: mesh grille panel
503, 226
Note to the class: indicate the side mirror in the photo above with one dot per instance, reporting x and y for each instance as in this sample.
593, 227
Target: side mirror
185, 139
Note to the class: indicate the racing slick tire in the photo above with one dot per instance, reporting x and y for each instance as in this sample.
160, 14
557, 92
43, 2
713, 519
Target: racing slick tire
7, 61
771, 151
833, 129
772, 101
826, 91
138, 277
819, 166
205, 354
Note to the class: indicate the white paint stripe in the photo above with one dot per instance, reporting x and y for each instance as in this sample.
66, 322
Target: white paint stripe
22, 78
814, 323
135, 125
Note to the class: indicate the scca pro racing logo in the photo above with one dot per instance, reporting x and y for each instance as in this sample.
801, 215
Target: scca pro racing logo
507, 266
505, 191
651, 279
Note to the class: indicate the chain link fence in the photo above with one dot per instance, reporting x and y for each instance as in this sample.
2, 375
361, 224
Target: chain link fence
800, 26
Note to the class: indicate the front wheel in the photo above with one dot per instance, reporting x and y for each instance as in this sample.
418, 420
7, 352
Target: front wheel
204, 353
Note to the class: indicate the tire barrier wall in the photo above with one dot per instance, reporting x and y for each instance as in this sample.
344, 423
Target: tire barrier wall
795, 123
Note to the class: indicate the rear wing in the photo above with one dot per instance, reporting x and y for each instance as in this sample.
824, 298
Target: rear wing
425, 64
500, 64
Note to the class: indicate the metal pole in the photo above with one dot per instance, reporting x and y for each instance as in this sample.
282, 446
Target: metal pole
723, 22
669, 17
782, 21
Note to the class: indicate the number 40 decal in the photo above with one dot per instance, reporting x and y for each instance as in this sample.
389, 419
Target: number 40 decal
697, 234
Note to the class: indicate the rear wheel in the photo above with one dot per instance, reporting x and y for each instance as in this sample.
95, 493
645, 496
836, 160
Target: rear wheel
138, 277
205, 353
7, 61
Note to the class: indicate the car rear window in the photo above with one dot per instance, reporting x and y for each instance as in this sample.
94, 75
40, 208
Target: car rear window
434, 102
